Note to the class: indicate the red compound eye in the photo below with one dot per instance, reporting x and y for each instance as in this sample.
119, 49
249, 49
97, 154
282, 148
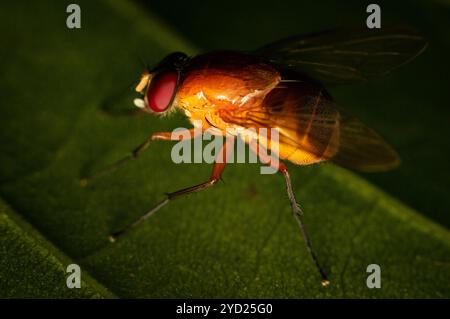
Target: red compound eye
161, 91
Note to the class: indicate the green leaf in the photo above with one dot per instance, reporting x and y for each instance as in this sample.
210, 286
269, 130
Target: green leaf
238, 239
32, 267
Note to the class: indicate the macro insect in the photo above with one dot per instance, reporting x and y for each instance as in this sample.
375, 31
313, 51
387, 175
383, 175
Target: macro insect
281, 86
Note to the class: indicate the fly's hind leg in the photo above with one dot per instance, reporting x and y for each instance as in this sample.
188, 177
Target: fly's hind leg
161, 136
219, 166
298, 214
296, 211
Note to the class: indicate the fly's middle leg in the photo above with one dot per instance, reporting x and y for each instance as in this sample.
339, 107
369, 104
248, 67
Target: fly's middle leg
219, 167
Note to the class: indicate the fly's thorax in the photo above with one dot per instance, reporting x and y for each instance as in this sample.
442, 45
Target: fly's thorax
221, 79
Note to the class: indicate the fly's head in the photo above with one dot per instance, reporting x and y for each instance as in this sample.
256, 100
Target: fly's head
159, 86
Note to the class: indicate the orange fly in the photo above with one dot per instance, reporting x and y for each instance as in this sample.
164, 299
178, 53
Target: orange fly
280, 86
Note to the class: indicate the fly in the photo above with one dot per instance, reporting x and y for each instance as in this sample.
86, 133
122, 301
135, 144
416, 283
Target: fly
281, 85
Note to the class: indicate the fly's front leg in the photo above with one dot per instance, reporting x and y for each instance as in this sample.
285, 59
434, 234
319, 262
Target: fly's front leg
161, 136
219, 166
296, 211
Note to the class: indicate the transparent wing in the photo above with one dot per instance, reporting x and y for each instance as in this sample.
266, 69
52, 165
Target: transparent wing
363, 149
346, 55
311, 127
